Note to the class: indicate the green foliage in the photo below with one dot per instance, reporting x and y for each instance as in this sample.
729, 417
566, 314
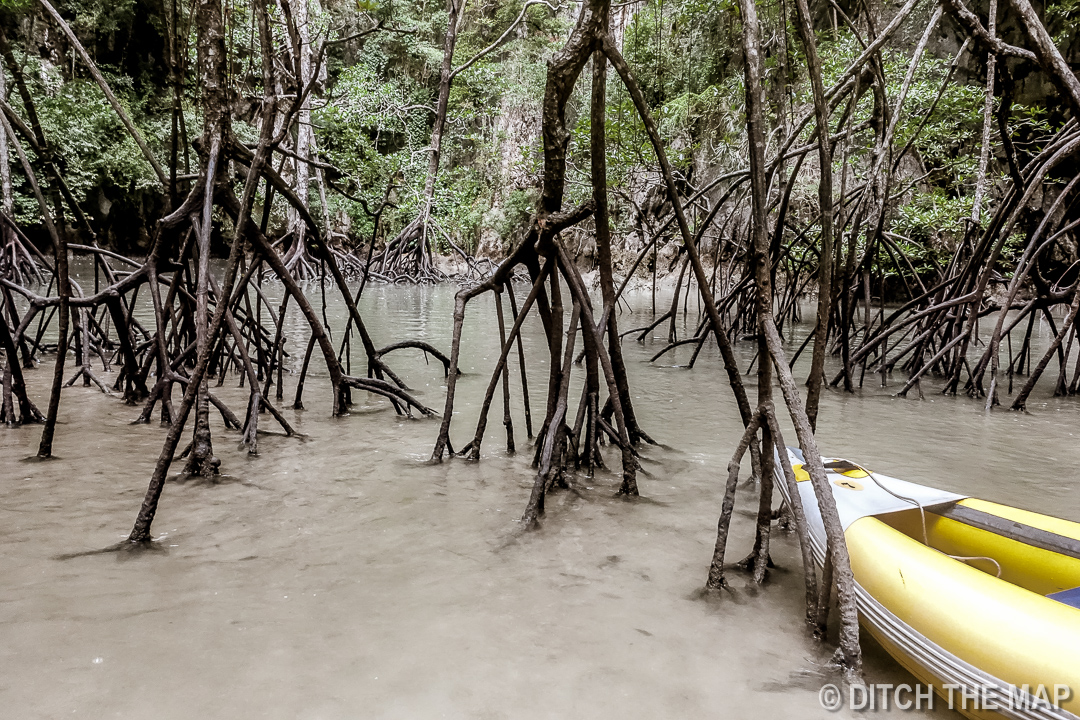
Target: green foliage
92, 147
519, 206
679, 47
373, 115
99, 17
932, 216
81, 123
377, 124
947, 138
1063, 19
687, 57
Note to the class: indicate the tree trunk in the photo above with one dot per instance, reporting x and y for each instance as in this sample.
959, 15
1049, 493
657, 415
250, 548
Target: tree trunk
825, 202
760, 267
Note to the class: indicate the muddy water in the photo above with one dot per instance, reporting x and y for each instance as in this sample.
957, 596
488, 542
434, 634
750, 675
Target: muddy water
337, 575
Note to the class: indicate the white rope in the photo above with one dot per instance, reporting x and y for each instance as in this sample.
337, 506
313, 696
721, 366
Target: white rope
922, 516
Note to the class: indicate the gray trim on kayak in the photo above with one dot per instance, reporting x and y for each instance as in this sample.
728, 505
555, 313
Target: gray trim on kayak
1013, 702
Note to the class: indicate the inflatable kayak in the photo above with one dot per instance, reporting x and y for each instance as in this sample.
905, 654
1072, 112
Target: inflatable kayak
980, 600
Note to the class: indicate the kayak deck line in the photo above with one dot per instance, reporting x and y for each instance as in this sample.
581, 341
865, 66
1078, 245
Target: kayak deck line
1011, 529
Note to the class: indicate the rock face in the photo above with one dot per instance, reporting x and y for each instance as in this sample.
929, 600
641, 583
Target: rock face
518, 132
517, 125
621, 17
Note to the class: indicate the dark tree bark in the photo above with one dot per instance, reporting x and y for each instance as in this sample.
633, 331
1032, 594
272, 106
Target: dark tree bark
760, 267
598, 155
825, 201
63, 285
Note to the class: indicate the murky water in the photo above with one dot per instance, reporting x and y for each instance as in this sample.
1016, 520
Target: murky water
338, 575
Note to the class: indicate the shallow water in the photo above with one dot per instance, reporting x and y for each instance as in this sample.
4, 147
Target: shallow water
338, 575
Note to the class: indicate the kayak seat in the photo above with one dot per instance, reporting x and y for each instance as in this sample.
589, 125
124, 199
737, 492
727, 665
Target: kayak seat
1029, 557
1069, 597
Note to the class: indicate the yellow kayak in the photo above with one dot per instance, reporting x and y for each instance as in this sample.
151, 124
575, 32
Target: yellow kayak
980, 600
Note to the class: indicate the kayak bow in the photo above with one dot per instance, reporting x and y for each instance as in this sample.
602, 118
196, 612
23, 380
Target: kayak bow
979, 600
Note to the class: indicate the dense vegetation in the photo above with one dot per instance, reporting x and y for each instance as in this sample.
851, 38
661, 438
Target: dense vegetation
372, 111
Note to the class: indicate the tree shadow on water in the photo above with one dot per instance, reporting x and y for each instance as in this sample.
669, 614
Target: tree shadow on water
124, 550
